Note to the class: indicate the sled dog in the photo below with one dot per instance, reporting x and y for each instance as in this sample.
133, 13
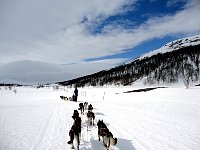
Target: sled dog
90, 107
106, 135
81, 107
85, 105
91, 117
75, 131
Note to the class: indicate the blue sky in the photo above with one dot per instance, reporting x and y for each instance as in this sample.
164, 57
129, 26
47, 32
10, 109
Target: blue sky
137, 13
132, 18
131, 54
91, 35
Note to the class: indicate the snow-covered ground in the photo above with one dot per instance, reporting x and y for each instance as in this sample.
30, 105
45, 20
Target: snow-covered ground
174, 45
160, 119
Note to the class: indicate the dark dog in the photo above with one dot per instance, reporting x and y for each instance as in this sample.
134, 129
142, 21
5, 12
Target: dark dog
64, 97
106, 135
75, 133
81, 107
75, 114
75, 129
90, 107
102, 128
91, 117
77, 119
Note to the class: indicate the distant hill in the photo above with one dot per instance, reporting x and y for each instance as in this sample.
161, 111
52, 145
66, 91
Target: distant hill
31, 72
177, 61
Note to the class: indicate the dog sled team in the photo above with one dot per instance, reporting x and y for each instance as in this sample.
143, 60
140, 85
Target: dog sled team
103, 131
73, 98
75, 131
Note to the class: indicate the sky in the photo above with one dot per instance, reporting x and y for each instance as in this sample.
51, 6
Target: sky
91, 34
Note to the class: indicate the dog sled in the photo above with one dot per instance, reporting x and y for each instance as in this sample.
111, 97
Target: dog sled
65, 98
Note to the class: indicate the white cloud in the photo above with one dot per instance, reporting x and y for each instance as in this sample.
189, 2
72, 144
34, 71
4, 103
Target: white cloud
25, 23
174, 2
51, 31
185, 22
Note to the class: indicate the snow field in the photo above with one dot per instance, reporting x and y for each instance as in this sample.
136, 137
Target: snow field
37, 119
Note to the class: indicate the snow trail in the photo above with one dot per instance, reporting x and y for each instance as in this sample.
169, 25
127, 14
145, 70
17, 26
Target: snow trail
37, 119
43, 130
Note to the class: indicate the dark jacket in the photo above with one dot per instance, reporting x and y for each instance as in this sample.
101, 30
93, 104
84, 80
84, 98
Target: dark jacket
76, 92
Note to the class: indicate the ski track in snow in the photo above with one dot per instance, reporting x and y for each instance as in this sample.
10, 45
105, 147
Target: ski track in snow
166, 119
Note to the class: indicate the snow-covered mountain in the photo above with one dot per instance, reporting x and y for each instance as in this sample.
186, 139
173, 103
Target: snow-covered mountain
31, 72
177, 61
175, 45
169, 64
37, 72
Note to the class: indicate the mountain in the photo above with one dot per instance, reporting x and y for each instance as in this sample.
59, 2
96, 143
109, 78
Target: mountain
175, 62
37, 72
31, 72
175, 45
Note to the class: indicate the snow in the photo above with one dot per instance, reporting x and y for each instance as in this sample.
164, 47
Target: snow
160, 119
174, 45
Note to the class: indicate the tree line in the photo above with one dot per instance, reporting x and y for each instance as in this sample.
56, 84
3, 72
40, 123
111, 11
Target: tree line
182, 64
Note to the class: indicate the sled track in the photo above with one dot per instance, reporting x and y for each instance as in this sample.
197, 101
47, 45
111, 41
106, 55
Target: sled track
54, 132
43, 130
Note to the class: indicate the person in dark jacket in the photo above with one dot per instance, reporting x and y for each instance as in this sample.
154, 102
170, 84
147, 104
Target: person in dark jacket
75, 96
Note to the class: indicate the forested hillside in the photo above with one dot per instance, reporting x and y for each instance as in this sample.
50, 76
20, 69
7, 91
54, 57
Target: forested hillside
169, 67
